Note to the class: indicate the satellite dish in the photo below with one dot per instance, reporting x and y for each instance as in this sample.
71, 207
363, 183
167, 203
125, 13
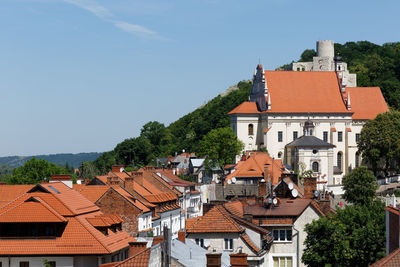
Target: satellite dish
206, 242
316, 193
233, 179
262, 180
121, 170
290, 185
229, 181
295, 193
275, 201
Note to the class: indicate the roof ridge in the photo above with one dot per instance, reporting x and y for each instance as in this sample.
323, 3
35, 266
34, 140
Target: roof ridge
127, 199
228, 217
42, 201
90, 232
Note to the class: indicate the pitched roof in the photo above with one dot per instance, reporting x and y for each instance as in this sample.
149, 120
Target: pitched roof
92, 192
366, 102
391, 260
235, 207
58, 203
141, 259
309, 141
254, 166
287, 207
316, 92
246, 239
11, 192
216, 220
169, 177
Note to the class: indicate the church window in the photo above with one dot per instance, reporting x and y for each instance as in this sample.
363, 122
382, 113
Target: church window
280, 155
303, 69
357, 138
315, 167
357, 159
315, 151
326, 136
340, 136
280, 136
295, 134
339, 160
251, 129
298, 69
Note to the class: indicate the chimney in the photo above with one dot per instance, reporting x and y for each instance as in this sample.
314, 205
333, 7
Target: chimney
60, 177
262, 188
213, 259
243, 157
239, 260
117, 168
129, 184
310, 185
182, 236
136, 247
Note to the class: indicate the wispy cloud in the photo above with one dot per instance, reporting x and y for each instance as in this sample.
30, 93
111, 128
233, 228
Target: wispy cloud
104, 14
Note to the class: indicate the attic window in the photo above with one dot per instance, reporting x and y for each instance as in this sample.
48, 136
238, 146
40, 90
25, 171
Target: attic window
252, 170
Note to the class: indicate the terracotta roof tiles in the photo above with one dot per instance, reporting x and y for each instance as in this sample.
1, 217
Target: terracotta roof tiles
391, 260
366, 102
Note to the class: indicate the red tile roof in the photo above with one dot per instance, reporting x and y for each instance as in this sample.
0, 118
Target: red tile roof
391, 260
254, 166
217, 220
366, 102
235, 207
58, 203
246, 239
273, 221
316, 92
139, 260
92, 192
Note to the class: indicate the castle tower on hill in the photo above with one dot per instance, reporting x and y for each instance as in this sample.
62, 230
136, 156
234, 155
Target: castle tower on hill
326, 61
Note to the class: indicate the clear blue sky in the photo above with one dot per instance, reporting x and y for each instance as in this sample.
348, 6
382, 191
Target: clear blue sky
82, 75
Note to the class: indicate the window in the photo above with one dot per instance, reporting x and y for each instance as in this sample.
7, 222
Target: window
282, 235
51, 264
200, 242
357, 159
315, 167
339, 160
357, 138
251, 129
24, 264
283, 261
279, 155
295, 134
340, 136
280, 136
325, 136
228, 244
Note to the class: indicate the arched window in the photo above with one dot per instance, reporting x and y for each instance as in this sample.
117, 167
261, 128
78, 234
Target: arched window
339, 160
357, 159
251, 129
315, 166
279, 155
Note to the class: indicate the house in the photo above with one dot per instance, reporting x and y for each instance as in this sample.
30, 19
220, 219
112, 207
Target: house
253, 167
282, 101
202, 174
116, 200
180, 164
56, 223
189, 201
285, 217
151, 190
218, 230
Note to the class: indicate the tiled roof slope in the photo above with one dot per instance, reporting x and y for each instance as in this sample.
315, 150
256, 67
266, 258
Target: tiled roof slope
217, 220
92, 192
141, 259
235, 207
168, 174
254, 166
391, 260
59, 203
11, 192
366, 102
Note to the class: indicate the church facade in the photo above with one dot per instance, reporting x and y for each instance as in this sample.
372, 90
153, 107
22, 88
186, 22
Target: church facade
282, 101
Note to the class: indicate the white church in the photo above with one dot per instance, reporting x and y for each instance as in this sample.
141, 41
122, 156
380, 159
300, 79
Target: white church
310, 116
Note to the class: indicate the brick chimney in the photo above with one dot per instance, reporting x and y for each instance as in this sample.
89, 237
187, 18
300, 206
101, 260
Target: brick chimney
136, 247
117, 168
182, 236
213, 259
310, 185
238, 260
128, 185
262, 189
60, 177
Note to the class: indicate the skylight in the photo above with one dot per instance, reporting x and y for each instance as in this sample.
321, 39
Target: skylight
55, 190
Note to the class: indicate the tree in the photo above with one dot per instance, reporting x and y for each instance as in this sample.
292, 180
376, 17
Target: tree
355, 236
88, 170
360, 186
307, 55
134, 151
380, 142
34, 171
159, 136
220, 146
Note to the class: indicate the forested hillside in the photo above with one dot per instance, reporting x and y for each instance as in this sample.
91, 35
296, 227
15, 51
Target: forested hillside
375, 65
157, 140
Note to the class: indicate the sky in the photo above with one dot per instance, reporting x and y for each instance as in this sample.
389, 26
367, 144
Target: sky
83, 75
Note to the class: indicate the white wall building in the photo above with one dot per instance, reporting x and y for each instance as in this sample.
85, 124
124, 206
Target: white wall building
281, 101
